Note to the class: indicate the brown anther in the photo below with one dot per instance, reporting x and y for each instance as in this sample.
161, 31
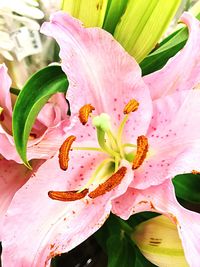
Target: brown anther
142, 149
2, 115
110, 184
32, 136
67, 195
131, 106
64, 152
195, 172
84, 113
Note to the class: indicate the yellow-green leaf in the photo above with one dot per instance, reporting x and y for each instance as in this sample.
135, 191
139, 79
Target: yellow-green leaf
143, 24
90, 12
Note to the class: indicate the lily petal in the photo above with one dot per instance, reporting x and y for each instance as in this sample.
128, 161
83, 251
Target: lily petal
88, 56
164, 111
54, 226
12, 177
5, 100
54, 111
174, 142
162, 199
182, 71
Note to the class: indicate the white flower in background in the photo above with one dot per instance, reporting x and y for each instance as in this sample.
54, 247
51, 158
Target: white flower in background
27, 8
18, 28
21, 46
50, 6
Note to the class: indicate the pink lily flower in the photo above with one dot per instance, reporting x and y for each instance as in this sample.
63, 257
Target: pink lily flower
51, 121
120, 158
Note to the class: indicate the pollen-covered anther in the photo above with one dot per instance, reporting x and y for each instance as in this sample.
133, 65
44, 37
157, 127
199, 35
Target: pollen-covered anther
131, 106
64, 152
67, 195
141, 153
84, 113
195, 172
110, 184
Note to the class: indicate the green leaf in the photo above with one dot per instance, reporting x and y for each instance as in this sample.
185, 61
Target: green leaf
115, 238
114, 11
167, 49
187, 187
33, 96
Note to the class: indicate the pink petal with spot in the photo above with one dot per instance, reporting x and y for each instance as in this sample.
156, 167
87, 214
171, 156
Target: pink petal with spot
162, 199
49, 143
12, 177
54, 226
164, 111
174, 143
182, 72
99, 71
43, 147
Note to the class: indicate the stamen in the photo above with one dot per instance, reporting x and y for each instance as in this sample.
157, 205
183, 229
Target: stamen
131, 106
67, 195
195, 172
97, 171
102, 142
86, 148
84, 113
142, 149
1, 114
119, 135
110, 184
64, 152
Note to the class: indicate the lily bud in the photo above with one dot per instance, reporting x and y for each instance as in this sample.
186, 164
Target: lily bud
143, 24
159, 242
90, 12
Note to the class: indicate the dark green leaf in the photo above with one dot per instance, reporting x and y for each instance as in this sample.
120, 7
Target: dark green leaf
160, 56
167, 49
14, 91
120, 252
187, 187
138, 218
114, 238
35, 93
114, 11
